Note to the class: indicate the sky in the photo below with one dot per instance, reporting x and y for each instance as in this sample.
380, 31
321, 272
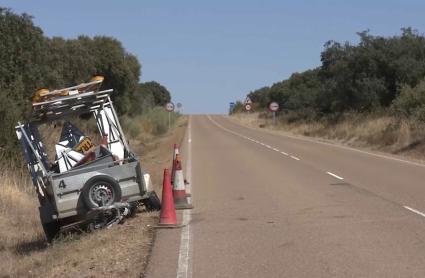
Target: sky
210, 53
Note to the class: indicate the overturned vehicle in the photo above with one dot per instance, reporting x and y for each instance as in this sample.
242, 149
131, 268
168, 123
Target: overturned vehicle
88, 184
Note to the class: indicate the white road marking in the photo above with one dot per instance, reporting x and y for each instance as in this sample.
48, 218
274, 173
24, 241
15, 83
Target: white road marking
415, 211
245, 137
304, 138
184, 268
335, 176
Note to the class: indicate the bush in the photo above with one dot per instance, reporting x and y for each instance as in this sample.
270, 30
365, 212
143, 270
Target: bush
411, 102
158, 119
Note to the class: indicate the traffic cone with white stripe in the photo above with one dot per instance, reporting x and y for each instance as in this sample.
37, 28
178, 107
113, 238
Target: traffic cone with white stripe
179, 190
173, 168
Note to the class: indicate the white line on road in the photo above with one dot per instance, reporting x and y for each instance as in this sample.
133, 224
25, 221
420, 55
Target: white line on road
335, 176
415, 211
317, 141
245, 137
184, 269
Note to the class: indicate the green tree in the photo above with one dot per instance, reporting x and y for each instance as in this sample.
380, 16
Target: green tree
30, 61
160, 94
365, 77
22, 50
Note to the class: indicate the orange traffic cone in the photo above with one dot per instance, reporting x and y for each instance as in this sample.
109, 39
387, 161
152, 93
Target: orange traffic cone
168, 212
179, 190
173, 168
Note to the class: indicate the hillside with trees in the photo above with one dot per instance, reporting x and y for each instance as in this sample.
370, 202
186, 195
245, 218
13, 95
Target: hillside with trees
29, 61
378, 83
378, 73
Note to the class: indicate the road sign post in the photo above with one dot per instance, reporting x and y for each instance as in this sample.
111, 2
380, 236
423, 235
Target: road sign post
231, 106
273, 107
179, 107
248, 107
170, 108
248, 104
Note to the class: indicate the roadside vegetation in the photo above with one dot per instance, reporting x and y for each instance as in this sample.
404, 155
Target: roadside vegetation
370, 94
30, 61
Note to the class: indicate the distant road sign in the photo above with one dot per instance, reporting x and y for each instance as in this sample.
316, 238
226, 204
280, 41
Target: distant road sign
248, 107
248, 100
169, 107
179, 105
274, 106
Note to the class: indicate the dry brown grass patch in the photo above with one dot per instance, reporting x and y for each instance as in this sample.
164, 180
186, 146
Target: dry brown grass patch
380, 132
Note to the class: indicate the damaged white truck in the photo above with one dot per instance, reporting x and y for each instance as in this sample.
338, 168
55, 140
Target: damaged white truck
89, 185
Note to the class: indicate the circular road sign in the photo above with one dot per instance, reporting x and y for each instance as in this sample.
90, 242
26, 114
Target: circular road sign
169, 107
248, 107
179, 105
274, 106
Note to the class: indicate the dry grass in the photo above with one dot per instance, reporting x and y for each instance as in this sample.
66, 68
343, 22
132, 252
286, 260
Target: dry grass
379, 132
121, 251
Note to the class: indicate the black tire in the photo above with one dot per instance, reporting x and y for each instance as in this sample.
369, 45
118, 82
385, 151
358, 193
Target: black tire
101, 190
51, 230
152, 203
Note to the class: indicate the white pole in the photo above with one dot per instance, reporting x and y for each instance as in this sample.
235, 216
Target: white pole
169, 120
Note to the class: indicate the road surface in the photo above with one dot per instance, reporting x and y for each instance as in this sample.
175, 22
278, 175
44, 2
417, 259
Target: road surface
269, 205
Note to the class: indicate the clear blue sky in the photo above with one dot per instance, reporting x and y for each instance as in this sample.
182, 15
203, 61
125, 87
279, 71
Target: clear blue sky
210, 53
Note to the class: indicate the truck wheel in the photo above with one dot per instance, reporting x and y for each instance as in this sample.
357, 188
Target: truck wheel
51, 230
101, 191
152, 203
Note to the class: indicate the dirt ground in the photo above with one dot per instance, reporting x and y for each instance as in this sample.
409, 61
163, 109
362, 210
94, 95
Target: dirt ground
121, 251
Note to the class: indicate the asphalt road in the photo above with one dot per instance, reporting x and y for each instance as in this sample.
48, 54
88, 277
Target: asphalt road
269, 205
